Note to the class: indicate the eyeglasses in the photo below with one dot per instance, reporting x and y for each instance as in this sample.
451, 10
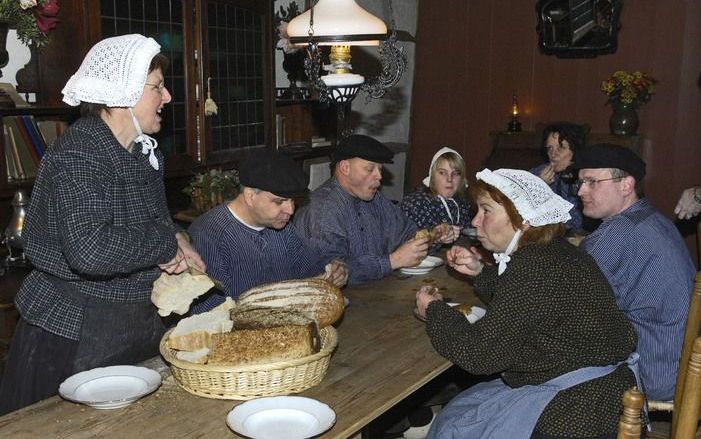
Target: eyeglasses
592, 182
160, 87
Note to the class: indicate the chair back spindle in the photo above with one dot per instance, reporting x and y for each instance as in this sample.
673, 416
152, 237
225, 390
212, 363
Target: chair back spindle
629, 425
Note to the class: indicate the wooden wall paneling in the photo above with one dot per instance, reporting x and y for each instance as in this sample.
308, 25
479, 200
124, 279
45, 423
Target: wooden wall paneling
475, 101
661, 38
73, 32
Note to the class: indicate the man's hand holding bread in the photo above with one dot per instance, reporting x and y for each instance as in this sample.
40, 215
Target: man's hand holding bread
412, 252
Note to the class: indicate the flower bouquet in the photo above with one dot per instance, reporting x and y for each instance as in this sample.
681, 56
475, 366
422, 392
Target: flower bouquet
33, 19
629, 88
211, 188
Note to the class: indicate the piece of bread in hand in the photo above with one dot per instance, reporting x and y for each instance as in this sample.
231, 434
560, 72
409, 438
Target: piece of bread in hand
463, 308
424, 233
175, 292
195, 332
262, 346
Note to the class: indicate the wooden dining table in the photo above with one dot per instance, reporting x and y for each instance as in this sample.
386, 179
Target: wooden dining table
383, 356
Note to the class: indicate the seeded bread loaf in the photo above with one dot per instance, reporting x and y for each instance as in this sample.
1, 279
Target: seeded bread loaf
262, 346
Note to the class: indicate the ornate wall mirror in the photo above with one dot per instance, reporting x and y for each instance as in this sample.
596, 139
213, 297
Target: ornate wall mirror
578, 28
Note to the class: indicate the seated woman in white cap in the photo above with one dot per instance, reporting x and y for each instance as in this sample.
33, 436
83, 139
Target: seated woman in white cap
98, 231
552, 329
442, 201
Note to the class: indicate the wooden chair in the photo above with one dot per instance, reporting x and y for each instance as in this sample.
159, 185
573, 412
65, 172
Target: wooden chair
687, 410
630, 425
693, 330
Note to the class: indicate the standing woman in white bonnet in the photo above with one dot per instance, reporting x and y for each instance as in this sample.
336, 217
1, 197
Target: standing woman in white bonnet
441, 205
98, 231
552, 329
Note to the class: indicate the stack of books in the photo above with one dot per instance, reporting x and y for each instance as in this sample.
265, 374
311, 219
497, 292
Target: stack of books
25, 143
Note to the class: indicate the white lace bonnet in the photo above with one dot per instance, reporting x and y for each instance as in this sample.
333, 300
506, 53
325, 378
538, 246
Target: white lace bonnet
113, 72
427, 180
534, 200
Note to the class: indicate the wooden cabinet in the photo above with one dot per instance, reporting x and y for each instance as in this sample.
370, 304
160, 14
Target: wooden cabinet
304, 123
523, 149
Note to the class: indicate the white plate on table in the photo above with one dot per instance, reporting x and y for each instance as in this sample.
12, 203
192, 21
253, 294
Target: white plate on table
476, 313
281, 417
428, 264
110, 387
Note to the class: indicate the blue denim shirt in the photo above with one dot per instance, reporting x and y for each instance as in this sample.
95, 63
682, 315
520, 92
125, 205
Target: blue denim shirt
648, 265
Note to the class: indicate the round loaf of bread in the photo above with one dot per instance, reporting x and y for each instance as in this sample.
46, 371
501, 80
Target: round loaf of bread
316, 298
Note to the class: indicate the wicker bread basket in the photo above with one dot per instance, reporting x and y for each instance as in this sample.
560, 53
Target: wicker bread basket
249, 382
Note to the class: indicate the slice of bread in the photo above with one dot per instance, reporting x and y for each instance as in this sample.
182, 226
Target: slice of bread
175, 292
262, 346
195, 332
251, 317
199, 356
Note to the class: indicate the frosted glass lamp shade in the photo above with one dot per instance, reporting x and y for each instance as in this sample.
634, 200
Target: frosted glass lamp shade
338, 22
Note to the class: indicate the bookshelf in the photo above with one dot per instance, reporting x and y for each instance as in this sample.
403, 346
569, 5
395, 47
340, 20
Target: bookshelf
38, 114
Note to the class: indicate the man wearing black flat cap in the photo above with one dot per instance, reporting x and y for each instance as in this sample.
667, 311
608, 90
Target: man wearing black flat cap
247, 241
348, 218
643, 257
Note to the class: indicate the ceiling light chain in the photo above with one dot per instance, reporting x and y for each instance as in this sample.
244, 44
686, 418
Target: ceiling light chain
393, 61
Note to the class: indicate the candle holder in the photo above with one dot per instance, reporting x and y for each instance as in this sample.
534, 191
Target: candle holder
514, 125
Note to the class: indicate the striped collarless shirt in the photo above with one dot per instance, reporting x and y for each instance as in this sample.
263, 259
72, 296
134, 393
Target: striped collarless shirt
241, 257
646, 262
361, 233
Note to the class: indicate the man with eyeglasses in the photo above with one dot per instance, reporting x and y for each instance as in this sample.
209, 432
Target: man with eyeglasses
642, 255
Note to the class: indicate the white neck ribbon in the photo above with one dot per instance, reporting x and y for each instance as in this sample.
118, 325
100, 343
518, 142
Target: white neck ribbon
503, 258
148, 143
447, 209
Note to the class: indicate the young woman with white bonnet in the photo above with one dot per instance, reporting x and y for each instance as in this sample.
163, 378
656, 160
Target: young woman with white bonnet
552, 329
441, 203
98, 231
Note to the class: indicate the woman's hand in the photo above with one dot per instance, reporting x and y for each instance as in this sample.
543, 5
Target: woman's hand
185, 257
548, 174
424, 296
465, 261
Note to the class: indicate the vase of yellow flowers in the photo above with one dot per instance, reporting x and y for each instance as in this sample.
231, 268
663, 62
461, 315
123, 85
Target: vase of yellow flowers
626, 91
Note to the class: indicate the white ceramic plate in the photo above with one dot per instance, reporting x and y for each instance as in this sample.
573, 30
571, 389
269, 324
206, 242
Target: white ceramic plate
428, 264
110, 387
281, 417
476, 313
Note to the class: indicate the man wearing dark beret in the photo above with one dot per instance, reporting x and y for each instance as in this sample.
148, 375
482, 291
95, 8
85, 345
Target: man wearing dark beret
643, 257
348, 218
247, 241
